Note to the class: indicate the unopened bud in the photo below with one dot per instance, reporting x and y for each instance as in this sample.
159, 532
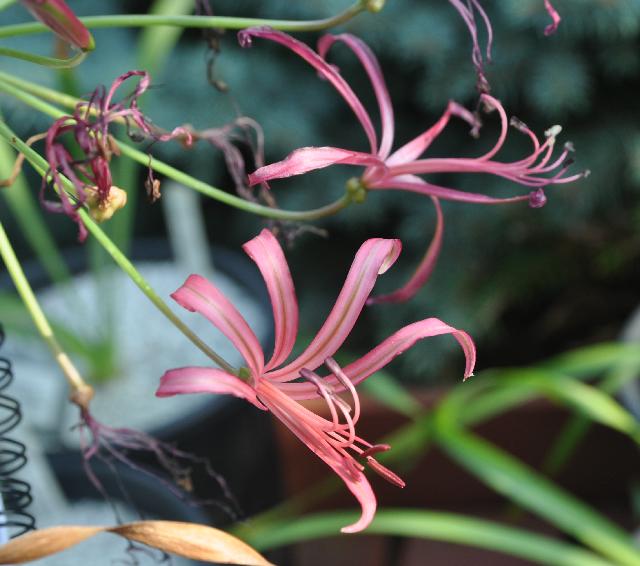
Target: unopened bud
59, 18
103, 209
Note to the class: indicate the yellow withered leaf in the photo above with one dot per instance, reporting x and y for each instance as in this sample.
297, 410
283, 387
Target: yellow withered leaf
191, 540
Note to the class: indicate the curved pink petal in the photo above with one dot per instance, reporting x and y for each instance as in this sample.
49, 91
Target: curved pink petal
308, 159
266, 252
187, 380
423, 271
57, 16
385, 352
199, 295
555, 18
417, 146
372, 67
307, 426
408, 183
326, 71
374, 257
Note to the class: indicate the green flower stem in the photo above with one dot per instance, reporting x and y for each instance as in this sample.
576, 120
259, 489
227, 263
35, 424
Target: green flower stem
41, 166
9, 87
40, 320
26, 211
231, 199
124, 263
204, 22
43, 92
43, 60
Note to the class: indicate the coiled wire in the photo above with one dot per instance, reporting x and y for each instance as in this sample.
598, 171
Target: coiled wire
15, 493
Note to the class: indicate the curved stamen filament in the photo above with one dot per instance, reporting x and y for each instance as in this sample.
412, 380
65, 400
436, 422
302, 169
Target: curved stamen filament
325, 392
347, 384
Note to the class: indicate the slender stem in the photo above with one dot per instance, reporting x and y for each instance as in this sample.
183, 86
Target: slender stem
41, 166
52, 62
43, 92
124, 263
230, 199
205, 22
10, 87
40, 320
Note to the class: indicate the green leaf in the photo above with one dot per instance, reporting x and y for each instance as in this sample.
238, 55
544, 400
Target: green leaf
524, 486
446, 527
589, 361
387, 391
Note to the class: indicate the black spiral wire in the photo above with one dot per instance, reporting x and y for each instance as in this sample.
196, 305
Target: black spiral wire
15, 493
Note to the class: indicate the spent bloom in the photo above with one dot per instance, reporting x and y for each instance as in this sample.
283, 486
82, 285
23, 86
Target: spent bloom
59, 18
278, 386
89, 125
467, 10
400, 169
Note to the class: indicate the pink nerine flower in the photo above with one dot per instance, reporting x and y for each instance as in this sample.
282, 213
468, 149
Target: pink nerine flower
57, 16
275, 385
399, 170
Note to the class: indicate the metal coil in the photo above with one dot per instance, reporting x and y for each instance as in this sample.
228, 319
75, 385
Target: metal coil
15, 493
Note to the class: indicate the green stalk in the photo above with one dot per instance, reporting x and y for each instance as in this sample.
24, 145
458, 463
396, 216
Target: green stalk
43, 60
41, 166
33, 227
184, 179
40, 320
204, 22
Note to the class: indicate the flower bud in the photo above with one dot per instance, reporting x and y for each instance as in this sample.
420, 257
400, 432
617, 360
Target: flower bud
57, 16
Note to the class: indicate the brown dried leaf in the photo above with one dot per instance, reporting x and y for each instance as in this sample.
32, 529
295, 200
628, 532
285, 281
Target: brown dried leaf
43, 542
190, 540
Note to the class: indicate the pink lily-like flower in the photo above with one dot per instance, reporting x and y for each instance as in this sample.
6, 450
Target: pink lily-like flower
59, 18
275, 385
399, 170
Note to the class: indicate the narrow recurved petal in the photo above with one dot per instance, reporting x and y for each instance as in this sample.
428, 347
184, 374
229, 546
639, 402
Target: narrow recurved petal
555, 18
374, 257
59, 18
372, 67
417, 146
388, 350
325, 70
199, 295
424, 269
307, 426
408, 182
193, 379
307, 159
266, 252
